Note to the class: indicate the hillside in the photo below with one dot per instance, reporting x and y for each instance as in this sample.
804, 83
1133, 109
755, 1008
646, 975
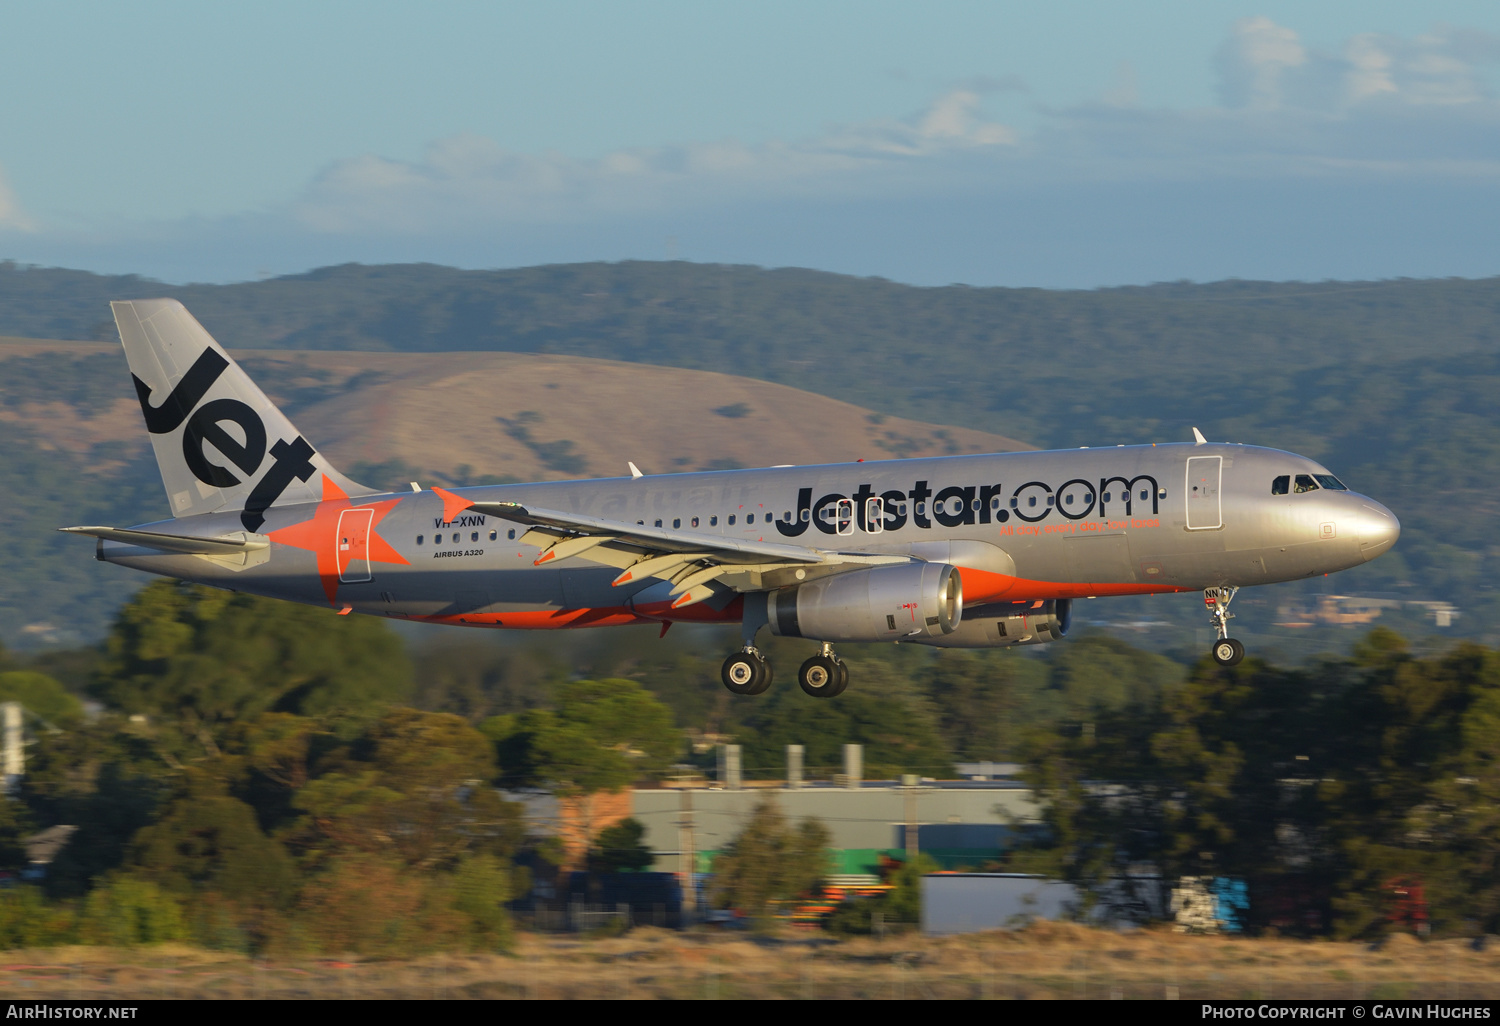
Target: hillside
1391, 384
78, 452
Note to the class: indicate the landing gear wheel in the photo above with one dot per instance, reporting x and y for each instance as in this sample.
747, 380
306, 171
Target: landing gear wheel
1228, 652
819, 676
746, 673
843, 678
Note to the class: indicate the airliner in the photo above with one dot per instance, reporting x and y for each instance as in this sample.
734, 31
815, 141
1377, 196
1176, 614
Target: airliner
957, 552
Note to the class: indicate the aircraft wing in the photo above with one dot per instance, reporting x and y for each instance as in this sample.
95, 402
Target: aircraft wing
691, 560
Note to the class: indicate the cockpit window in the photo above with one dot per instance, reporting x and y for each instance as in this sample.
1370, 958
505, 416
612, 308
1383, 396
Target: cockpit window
1331, 482
1305, 483
1281, 485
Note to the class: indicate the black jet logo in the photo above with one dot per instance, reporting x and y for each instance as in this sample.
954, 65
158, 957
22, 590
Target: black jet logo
204, 424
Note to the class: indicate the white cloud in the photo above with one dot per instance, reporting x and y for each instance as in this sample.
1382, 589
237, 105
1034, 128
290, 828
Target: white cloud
1264, 66
1255, 60
467, 179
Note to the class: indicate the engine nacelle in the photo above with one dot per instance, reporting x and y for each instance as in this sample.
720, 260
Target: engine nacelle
1021, 623
884, 603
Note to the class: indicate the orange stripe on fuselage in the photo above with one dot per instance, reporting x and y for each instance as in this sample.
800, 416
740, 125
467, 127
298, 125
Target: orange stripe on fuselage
981, 586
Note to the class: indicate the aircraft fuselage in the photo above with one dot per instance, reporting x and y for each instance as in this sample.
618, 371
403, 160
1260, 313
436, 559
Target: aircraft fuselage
1021, 528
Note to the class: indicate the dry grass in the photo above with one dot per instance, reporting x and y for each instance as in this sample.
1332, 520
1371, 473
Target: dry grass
1047, 960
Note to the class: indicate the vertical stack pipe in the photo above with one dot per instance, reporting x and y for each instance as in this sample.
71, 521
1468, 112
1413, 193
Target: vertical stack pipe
854, 765
794, 767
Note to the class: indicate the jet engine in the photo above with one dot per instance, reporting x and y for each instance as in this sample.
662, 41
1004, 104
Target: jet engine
883, 603
1020, 623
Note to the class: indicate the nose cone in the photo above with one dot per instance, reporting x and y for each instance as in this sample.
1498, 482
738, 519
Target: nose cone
1378, 529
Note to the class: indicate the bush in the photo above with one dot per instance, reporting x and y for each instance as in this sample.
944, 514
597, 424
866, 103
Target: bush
29, 920
124, 911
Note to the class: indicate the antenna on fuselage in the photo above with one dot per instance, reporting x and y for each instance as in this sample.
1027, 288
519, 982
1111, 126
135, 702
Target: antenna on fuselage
1198, 438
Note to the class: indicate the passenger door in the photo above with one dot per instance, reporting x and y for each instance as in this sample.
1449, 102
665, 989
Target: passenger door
354, 545
1204, 477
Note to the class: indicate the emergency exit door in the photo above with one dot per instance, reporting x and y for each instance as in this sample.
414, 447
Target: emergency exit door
1204, 476
353, 545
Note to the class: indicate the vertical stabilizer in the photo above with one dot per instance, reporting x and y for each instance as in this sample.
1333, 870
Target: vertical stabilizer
220, 443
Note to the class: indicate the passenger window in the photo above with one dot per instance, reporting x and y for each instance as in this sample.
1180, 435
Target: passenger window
658, 523
806, 516
419, 539
494, 535
437, 539
995, 502
1145, 494
731, 520
1305, 484
921, 509
713, 521
677, 522
474, 537
1051, 500
1331, 482
455, 537
511, 534
1281, 485
750, 518
695, 521
1068, 499
1109, 496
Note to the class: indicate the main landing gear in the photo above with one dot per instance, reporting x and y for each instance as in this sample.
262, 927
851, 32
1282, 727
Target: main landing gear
824, 675
747, 672
1226, 651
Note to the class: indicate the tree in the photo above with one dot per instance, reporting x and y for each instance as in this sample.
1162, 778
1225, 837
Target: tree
770, 861
888, 714
42, 696
619, 848
414, 787
207, 840
601, 736
201, 659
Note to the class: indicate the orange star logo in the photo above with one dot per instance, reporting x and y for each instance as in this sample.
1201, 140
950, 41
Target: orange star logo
342, 537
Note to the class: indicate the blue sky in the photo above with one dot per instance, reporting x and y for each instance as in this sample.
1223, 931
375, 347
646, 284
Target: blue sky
1059, 144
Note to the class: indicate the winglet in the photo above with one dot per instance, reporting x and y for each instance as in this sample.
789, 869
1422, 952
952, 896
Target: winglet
635, 471
1198, 438
453, 505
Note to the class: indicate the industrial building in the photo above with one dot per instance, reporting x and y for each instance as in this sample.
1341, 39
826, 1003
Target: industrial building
960, 823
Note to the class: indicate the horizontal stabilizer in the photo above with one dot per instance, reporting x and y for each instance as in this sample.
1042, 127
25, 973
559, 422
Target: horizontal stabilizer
228, 545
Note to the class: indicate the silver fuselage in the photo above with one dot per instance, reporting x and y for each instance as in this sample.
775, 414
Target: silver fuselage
1021, 526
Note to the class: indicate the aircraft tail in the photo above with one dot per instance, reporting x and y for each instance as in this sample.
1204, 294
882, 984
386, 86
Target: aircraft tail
220, 443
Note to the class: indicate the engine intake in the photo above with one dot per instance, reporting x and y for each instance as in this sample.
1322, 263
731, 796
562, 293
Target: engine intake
995, 626
884, 603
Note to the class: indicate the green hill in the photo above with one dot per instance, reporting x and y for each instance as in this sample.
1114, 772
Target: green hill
1389, 383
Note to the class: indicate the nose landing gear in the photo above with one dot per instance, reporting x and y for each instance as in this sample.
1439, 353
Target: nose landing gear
1226, 651
824, 675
